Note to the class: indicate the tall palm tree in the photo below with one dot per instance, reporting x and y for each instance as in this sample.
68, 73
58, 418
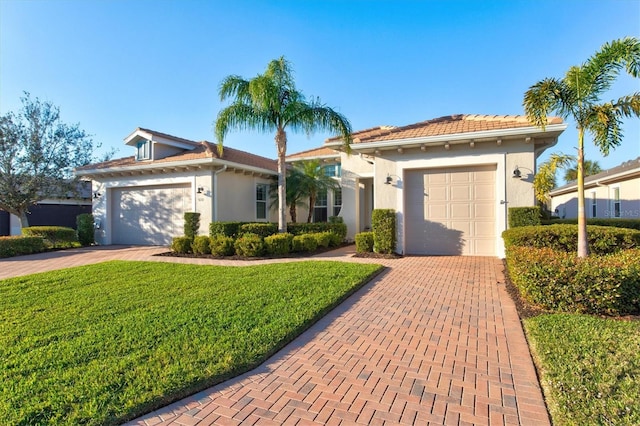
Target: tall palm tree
577, 96
295, 194
314, 181
590, 168
270, 102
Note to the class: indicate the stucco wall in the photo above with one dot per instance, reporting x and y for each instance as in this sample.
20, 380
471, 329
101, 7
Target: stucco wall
357, 173
237, 197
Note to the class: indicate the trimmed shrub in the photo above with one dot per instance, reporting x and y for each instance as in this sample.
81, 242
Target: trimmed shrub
181, 245
86, 232
201, 245
228, 229
334, 239
524, 216
559, 281
617, 223
339, 229
54, 236
304, 242
322, 238
249, 245
336, 219
191, 224
17, 246
279, 244
602, 239
221, 245
383, 223
259, 228
364, 242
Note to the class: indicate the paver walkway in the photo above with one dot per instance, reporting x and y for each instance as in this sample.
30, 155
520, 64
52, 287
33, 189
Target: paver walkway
433, 340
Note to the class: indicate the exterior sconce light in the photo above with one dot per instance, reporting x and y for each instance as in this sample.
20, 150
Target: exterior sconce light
388, 180
516, 173
200, 190
96, 195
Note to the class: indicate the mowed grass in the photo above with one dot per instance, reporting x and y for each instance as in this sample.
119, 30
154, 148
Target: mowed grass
589, 367
105, 343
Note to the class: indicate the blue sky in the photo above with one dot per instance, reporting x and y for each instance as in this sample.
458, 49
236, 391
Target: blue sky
116, 65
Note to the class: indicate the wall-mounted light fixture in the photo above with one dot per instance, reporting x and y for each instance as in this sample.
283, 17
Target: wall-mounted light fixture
97, 195
517, 174
389, 179
200, 190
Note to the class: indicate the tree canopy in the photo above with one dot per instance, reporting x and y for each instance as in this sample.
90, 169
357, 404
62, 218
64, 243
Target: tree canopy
270, 102
578, 96
38, 153
590, 168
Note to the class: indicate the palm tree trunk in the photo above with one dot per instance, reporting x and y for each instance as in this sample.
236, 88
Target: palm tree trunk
281, 145
312, 205
293, 212
583, 245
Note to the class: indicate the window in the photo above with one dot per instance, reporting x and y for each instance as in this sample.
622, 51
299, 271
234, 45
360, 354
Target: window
320, 209
262, 191
333, 170
616, 202
142, 152
337, 201
594, 204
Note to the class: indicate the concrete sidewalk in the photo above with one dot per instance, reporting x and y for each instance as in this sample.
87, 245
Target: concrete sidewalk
432, 340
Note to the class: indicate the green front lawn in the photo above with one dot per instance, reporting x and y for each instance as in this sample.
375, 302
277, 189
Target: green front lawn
105, 343
589, 368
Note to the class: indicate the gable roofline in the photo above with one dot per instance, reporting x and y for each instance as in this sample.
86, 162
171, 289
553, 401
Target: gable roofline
158, 137
321, 153
628, 169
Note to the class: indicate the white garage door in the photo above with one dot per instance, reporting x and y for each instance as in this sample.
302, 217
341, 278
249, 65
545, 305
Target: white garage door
450, 211
149, 215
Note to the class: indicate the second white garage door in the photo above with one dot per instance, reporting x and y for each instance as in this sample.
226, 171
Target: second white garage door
149, 215
450, 211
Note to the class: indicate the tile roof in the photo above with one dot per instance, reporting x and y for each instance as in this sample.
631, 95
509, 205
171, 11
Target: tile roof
202, 150
166, 136
312, 153
447, 125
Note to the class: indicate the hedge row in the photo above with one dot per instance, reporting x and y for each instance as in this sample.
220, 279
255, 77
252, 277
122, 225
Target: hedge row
255, 245
617, 223
54, 236
17, 246
564, 238
524, 216
560, 281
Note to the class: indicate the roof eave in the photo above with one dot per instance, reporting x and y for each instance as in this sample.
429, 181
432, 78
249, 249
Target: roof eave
572, 187
553, 130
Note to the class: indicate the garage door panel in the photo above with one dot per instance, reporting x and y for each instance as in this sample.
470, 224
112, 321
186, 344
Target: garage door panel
457, 216
149, 216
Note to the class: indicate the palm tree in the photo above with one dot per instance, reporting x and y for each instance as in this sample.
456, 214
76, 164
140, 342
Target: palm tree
270, 102
295, 195
590, 168
577, 96
314, 181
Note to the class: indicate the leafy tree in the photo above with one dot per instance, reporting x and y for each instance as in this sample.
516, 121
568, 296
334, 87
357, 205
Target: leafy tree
38, 153
545, 179
590, 168
270, 102
577, 96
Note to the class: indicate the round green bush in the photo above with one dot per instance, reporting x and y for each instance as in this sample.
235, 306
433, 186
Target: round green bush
304, 242
364, 242
201, 245
249, 245
221, 245
86, 232
181, 245
278, 244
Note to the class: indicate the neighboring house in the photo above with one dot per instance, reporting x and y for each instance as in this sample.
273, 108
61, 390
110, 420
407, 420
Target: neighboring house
142, 199
449, 179
613, 193
55, 210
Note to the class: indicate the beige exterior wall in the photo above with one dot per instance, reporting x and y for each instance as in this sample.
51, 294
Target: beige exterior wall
237, 198
356, 181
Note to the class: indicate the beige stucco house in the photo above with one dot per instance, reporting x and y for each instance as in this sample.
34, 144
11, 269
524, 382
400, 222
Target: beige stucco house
142, 199
613, 193
450, 180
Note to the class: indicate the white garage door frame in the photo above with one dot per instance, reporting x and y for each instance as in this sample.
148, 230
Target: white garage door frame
498, 160
132, 184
